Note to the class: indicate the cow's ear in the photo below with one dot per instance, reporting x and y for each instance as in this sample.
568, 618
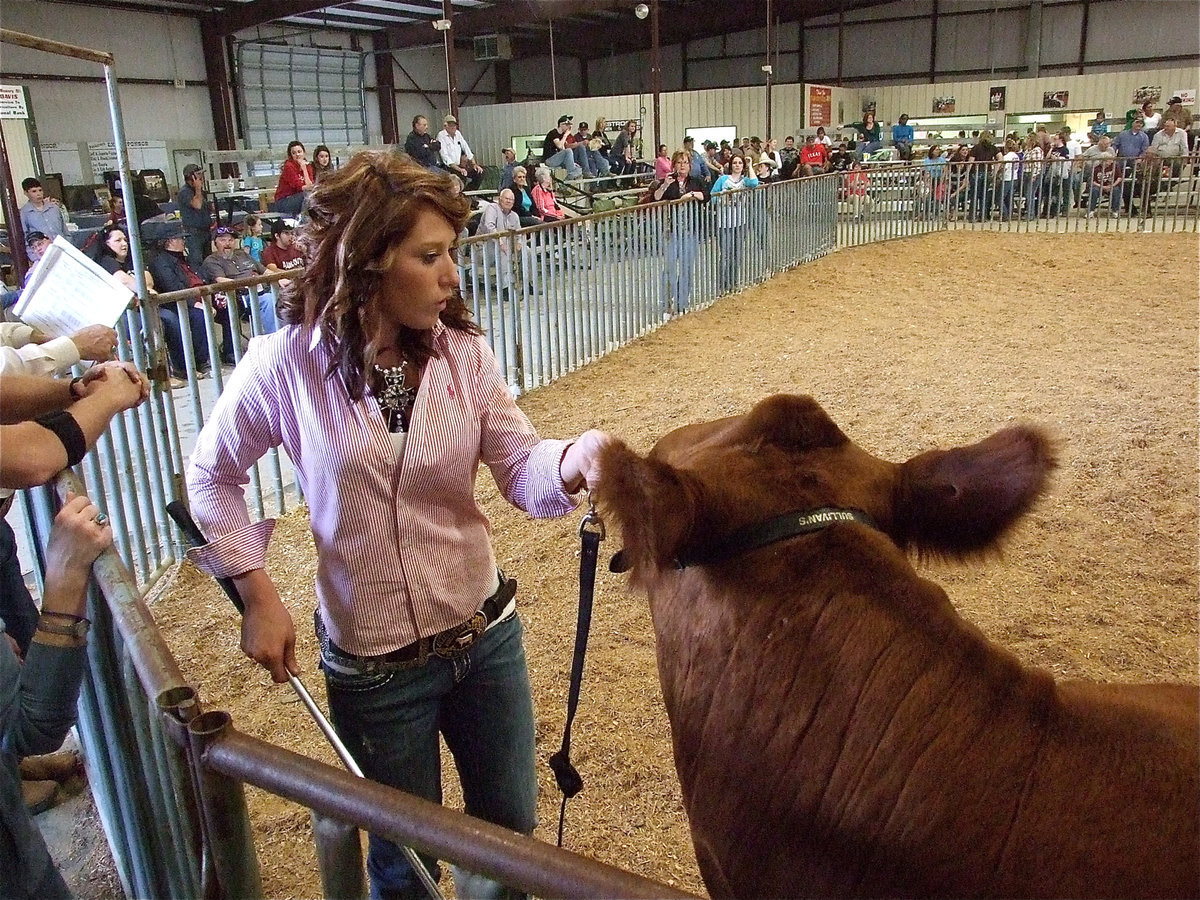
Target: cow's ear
652, 502
793, 422
962, 501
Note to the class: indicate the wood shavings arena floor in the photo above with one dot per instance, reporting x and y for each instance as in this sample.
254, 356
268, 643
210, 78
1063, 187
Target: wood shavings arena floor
913, 344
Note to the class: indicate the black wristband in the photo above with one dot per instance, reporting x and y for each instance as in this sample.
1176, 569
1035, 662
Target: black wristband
67, 430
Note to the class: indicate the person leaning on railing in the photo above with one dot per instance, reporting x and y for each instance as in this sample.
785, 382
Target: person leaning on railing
48, 425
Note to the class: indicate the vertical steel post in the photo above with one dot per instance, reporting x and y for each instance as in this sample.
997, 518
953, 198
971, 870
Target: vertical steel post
223, 806
339, 858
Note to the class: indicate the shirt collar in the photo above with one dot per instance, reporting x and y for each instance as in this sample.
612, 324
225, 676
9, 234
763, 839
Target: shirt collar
439, 332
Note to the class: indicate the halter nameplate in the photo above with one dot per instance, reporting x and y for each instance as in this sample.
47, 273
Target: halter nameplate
771, 531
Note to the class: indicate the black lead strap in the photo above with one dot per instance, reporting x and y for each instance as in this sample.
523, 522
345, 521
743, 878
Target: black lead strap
569, 780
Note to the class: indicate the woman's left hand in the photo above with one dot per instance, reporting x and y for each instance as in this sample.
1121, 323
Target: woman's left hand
580, 467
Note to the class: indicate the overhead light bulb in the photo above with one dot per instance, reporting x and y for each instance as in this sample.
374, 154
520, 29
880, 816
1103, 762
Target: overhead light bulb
641, 10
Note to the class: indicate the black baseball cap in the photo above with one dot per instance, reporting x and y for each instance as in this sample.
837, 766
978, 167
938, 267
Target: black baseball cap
279, 226
33, 237
562, 119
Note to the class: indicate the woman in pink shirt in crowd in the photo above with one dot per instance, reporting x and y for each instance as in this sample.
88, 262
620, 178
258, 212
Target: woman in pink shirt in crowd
296, 179
387, 399
544, 200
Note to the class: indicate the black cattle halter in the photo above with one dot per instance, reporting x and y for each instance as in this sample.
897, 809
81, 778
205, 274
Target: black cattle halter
759, 534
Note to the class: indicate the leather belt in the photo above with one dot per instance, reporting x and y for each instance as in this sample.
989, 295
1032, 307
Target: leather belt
449, 644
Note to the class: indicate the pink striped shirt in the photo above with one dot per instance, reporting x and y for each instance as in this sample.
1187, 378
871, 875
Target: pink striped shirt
403, 549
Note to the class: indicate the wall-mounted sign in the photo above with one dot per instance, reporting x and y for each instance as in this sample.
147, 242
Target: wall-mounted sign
997, 98
1056, 99
943, 104
820, 106
12, 102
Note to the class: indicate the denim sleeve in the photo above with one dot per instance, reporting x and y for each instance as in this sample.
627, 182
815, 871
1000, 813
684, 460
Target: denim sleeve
37, 699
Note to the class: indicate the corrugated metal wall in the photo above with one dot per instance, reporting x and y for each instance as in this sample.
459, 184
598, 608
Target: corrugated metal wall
1112, 91
488, 128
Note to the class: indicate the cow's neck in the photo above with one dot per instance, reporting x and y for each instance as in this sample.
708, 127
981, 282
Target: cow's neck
825, 679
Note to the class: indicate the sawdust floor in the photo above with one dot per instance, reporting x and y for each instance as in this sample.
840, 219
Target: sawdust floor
909, 345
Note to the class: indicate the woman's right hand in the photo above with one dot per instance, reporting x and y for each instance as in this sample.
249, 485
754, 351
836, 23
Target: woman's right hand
268, 633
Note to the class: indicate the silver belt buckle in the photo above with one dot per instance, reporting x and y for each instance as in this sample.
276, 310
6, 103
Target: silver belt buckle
452, 644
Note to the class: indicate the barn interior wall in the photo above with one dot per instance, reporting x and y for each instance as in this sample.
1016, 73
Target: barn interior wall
166, 48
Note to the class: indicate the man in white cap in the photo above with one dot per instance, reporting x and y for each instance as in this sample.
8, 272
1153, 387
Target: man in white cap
456, 155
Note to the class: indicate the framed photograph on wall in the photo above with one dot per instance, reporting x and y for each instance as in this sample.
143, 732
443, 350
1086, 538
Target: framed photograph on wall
943, 104
997, 98
1147, 93
1055, 99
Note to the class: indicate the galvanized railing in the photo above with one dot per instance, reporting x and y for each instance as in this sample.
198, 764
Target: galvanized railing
1057, 196
166, 775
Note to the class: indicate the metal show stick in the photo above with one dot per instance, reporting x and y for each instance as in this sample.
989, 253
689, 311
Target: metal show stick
195, 537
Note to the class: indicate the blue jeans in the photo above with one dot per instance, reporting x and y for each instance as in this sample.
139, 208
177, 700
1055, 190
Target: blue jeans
293, 204
266, 312
729, 241
482, 705
168, 314
566, 160
676, 282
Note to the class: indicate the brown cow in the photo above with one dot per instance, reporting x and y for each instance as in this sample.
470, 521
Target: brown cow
838, 729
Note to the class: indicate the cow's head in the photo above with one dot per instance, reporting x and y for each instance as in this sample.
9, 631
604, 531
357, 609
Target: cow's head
704, 481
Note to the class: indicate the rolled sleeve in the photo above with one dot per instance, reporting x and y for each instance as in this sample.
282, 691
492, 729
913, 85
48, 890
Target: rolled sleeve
235, 553
244, 424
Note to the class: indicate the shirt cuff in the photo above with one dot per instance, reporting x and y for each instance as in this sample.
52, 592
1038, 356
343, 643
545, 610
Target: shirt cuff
547, 495
62, 351
235, 553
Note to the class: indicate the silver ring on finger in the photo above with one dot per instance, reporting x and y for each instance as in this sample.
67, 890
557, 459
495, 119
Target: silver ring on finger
101, 519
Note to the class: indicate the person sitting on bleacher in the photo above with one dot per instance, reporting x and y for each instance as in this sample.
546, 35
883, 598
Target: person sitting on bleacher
228, 262
544, 199
840, 159
172, 272
902, 137
523, 205
1170, 144
869, 139
814, 158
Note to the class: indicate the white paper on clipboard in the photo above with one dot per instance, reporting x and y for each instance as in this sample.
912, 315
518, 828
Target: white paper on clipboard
67, 291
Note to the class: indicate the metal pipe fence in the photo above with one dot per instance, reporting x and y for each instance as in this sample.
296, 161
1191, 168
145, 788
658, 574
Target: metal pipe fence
1083, 195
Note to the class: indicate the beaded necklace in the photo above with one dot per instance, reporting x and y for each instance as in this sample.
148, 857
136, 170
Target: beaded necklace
396, 399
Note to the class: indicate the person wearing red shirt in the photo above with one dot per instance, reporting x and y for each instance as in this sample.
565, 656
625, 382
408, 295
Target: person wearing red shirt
295, 181
282, 253
814, 157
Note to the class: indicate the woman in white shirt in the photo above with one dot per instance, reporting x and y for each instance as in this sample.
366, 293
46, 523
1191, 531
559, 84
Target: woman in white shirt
384, 394
1008, 175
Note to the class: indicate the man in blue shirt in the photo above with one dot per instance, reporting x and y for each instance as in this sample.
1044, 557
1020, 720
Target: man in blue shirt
42, 213
698, 168
902, 137
1131, 145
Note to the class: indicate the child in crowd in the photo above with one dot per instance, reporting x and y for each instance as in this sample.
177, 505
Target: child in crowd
252, 240
857, 182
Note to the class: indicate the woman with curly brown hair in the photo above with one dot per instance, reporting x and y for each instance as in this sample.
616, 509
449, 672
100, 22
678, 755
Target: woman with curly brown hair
386, 397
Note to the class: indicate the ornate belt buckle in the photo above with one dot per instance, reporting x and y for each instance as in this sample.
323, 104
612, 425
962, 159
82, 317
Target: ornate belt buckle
450, 644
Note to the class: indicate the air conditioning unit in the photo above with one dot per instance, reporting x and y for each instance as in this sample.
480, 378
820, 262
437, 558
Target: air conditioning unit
492, 46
